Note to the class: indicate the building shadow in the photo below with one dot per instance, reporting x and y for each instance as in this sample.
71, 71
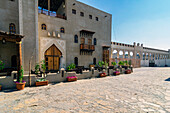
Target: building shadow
9, 90
167, 79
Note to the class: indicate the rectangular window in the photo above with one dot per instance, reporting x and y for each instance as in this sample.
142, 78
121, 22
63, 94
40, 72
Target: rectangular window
73, 11
82, 40
89, 42
82, 14
90, 16
97, 19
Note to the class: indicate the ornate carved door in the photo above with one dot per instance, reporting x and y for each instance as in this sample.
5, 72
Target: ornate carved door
52, 58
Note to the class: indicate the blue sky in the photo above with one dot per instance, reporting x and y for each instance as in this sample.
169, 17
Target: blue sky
142, 21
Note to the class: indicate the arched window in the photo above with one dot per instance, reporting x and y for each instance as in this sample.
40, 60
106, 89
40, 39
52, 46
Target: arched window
95, 41
62, 30
75, 39
43, 27
94, 61
12, 28
76, 61
114, 54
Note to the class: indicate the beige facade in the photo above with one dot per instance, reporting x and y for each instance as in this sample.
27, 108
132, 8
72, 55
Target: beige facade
138, 51
28, 19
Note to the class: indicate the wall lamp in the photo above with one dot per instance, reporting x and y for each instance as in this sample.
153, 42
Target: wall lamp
3, 41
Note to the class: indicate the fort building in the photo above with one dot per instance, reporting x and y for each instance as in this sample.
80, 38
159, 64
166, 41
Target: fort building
60, 32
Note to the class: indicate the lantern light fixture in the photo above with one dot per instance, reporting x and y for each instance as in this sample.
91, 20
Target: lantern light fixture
3, 41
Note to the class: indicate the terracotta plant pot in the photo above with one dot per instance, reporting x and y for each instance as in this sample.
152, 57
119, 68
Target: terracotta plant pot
128, 71
91, 65
20, 86
71, 79
42, 83
0, 87
116, 73
102, 75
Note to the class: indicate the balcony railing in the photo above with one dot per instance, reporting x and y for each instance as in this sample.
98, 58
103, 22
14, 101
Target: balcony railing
85, 47
51, 13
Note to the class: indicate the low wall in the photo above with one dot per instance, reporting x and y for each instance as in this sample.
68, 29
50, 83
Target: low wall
7, 82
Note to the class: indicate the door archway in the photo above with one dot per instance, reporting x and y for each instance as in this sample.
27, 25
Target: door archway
52, 58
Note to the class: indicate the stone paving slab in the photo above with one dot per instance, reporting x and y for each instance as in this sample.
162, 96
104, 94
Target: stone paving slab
143, 91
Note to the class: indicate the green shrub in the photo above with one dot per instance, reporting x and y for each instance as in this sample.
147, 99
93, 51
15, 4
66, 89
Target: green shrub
1, 65
130, 62
71, 66
125, 62
21, 72
121, 63
37, 67
40, 80
106, 64
114, 63
43, 66
101, 63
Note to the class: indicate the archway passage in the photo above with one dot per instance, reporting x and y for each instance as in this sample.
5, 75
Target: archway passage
52, 58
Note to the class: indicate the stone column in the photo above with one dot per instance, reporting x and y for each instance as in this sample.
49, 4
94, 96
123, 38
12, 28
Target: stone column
118, 53
19, 58
123, 54
148, 56
128, 54
111, 53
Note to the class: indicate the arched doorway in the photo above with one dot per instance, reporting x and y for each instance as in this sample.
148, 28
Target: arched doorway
52, 58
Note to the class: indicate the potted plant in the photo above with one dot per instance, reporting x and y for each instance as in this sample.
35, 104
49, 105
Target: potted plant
72, 78
71, 67
41, 81
102, 74
100, 64
1, 65
0, 87
91, 65
37, 69
116, 73
20, 84
113, 65
121, 63
128, 71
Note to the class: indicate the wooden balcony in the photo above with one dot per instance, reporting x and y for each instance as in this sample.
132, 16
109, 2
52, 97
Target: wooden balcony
88, 48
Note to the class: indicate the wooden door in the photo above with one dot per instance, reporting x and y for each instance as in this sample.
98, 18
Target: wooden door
52, 58
106, 55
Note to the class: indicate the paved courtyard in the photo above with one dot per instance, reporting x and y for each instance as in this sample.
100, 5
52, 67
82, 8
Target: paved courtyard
146, 90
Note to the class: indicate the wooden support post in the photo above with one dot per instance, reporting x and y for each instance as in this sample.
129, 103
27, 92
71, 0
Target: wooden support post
48, 7
19, 58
